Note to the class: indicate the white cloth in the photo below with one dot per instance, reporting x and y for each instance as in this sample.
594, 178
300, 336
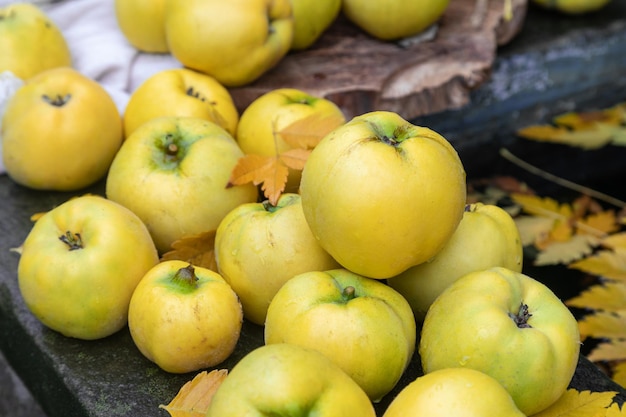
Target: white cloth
99, 49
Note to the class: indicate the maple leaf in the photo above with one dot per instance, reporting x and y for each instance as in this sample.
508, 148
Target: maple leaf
269, 171
610, 264
194, 397
272, 171
609, 296
574, 403
198, 250
306, 133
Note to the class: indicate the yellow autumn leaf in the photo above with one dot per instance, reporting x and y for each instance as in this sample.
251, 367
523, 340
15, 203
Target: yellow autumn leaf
599, 224
543, 206
613, 116
610, 296
603, 325
609, 264
194, 397
615, 411
270, 171
198, 250
619, 376
307, 132
532, 229
588, 139
619, 138
566, 252
295, 158
588, 130
574, 403
614, 350
614, 241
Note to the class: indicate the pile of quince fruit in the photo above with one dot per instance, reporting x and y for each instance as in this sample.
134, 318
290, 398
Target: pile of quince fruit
373, 255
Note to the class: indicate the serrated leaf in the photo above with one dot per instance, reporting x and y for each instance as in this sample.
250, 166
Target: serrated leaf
269, 171
599, 224
565, 252
588, 130
610, 264
198, 250
614, 410
614, 350
585, 139
194, 397
615, 241
603, 325
532, 228
574, 403
295, 158
610, 296
543, 206
306, 133
619, 376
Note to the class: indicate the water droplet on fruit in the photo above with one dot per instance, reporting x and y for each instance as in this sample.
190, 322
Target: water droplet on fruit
464, 360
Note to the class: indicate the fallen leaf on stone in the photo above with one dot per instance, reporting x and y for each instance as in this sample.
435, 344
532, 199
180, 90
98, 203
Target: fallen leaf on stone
194, 397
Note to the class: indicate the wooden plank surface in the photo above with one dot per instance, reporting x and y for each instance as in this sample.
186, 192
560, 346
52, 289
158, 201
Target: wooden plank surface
361, 73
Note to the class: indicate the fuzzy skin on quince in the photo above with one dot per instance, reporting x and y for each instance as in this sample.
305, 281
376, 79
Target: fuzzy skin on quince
61, 131
30, 42
509, 326
382, 195
184, 318
238, 40
258, 247
181, 92
288, 380
487, 236
361, 324
80, 265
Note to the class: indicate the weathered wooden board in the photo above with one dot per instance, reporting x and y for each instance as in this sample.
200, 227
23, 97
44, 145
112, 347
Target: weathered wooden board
361, 73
